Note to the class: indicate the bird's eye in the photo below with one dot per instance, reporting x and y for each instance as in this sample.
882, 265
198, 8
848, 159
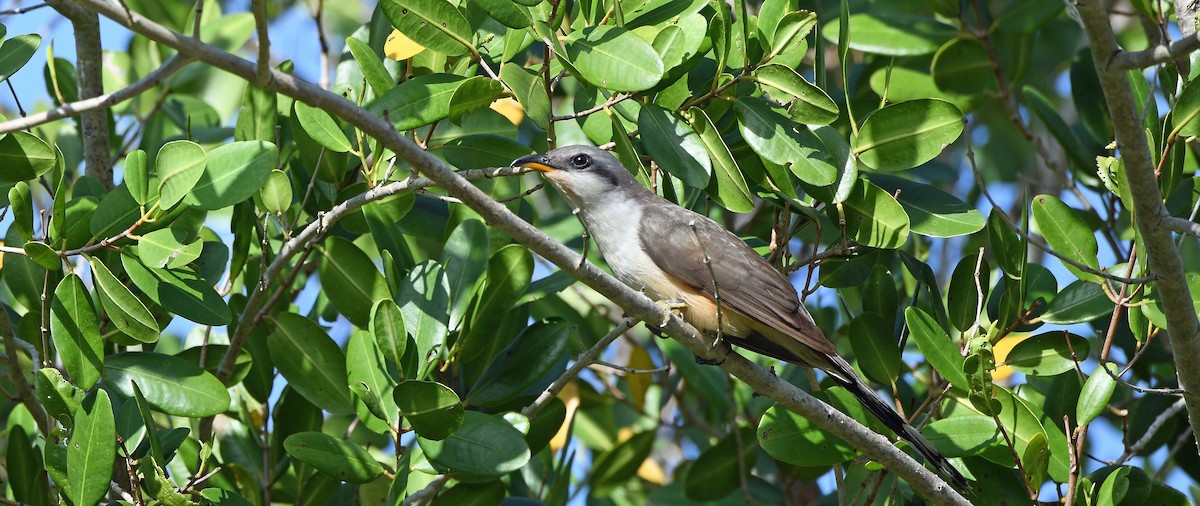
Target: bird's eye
581, 161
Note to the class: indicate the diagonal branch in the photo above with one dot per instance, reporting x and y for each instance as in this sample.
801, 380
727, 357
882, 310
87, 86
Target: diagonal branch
1150, 215
495, 214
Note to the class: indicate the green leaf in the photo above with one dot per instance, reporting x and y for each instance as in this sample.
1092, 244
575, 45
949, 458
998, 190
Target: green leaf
811, 106
24, 157
16, 52
485, 445
424, 300
418, 101
26, 475
322, 128
116, 213
348, 272
369, 378
162, 248
962, 66
180, 165
618, 465
258, 116
372, 67
432, 409
481, 151
1048, 354
720, 469
76, 333
472, 95
938, 348
507, 12
530, 89
44, 255
1007, 248
964, 296
387, 326
91, 450
311, 362
233, 173
345, 461
60, 398
1024, 16
1096, 394
465, 262
730, 190
905, 135
180, 291
124, 309
874, 218
508, 273
675, 145
793, 439
435, 24
137, 177
613, 58
962, 436
20, 202
517, 368
875, 348
170, 384
1078, 302
276, 192
931, 211
892, 35
779, 140
677, 43
1066, 232
72, 229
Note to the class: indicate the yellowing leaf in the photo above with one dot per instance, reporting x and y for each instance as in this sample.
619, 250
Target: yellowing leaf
639, 359
570, 397
399, 48
1000, 350
652, 472
509, 108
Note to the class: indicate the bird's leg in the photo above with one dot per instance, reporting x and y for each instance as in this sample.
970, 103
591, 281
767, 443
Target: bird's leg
716, 288
672, 306
728, 350
586, 240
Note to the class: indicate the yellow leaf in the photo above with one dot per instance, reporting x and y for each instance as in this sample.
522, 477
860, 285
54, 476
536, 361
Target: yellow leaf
640, 359
1000, 350
509, 108
570, 397
652, 472
399, 47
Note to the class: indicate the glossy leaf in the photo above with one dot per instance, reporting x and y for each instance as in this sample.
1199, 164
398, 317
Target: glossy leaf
720, 469
372, 68
507, 12
343, 460
137, 177
26, 475
232, 174
435, 24
387, 326
1048, 354
44, 255
931, 211
24, 157
967, 291
485, 445
875, 348
276, 192
520, 365
465, 262
874, 218
16, 52
76, 334
424, 300
322, 128
473, 94
892, 35
115, 214
170, 384
730, 191
962, 66
1078, 302
962, 436
811, 105
791, 438
312, 363
350, 273
432, 409
91, 450
1096, 394
1067, 233
777, 139
123, 308
179, 166
180, 291
619, 464
791, 31
941, 352
674, 145
905, 135
530, 90
418, 101
162, 249
508, 273
614, 58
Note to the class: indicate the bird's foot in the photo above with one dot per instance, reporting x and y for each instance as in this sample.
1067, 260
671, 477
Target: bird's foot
673, 306
728, 349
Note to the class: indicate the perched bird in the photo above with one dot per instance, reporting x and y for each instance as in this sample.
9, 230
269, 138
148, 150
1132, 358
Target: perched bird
660, 248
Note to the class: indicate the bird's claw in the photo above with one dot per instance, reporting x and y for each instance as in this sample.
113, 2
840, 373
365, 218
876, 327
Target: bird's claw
672, 306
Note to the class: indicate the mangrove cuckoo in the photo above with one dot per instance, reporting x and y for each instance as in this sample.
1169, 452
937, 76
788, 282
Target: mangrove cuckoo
661, 249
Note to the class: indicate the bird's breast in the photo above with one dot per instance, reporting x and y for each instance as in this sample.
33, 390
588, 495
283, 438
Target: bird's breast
615, 229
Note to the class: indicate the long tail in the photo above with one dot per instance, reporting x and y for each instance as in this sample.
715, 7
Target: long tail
844, 375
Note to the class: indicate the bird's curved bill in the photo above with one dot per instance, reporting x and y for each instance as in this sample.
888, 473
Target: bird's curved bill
535, 162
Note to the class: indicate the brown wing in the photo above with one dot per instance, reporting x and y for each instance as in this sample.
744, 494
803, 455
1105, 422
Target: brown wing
745, 281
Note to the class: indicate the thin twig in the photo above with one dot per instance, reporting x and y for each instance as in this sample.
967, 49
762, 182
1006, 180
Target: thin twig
584, 359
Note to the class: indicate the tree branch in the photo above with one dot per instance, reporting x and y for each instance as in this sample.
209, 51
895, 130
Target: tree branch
495, 214
1181, 225
1149, 213
89, 62
584, 359
1128, 60
101, 102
